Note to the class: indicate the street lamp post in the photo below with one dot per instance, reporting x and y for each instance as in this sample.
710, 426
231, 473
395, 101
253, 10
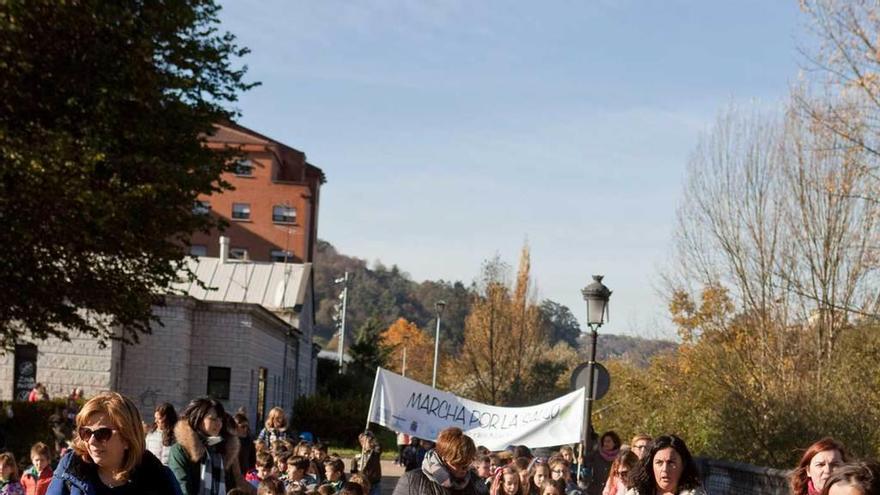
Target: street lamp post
596, 295
439, 306
344, 281
405, 342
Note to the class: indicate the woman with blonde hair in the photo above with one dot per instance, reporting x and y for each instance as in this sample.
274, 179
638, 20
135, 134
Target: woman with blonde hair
275, 427
109, 452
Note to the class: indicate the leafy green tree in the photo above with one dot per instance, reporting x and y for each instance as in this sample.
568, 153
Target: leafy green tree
561, 323
368, 353
104, 112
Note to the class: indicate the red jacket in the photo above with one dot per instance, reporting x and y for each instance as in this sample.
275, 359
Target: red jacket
36, 486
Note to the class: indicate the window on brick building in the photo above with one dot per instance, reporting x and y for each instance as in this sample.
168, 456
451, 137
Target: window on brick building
283, 214
280, 255
201, 207
218, 382
241, 211
244, 168
198, 250
238, 254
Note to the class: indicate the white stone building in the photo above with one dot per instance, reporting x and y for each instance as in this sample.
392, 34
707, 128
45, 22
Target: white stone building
247, 342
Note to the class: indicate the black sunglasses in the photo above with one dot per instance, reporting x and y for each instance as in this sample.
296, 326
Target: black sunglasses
100, 434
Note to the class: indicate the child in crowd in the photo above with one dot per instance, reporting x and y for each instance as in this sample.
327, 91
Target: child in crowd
352, 489
361, 480
37, 478
507, 481
552, 487
9, 484
368, 463
297, 473
326, 490
270, 486
334, 471
540, 472
265, 468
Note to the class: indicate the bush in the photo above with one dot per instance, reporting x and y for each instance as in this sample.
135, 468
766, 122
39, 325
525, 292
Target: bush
332, 420
28, 425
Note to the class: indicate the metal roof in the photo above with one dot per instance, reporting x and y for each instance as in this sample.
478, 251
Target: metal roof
271, 285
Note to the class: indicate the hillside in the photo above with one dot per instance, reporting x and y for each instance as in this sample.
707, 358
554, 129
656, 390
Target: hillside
388, 293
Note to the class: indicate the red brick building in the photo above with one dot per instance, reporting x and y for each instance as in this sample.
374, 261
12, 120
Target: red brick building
273, 211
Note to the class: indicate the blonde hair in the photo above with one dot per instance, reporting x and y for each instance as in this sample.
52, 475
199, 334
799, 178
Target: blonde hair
276, 413
126, 421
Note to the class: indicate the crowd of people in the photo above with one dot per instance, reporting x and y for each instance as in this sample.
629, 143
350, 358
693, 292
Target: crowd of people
206, 451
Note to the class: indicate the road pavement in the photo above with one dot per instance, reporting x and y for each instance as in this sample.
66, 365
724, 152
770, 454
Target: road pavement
390, 474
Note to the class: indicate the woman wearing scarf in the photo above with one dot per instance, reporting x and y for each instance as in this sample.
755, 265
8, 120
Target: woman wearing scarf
445, 470
600, 461
205, 458
816, 466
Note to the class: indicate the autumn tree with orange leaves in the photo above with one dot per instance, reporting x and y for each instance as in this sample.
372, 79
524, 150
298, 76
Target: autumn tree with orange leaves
504, 337
403, 334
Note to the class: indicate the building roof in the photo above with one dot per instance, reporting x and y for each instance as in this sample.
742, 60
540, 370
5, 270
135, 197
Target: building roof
271, 285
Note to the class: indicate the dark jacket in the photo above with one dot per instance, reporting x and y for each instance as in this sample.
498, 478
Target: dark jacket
416, 482
74, 476
185, 460
368, 464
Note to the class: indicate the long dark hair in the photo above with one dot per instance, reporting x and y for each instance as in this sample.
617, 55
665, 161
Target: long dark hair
196, 411
642, 479
169, 419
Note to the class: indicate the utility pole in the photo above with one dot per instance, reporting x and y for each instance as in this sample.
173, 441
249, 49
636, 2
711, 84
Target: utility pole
344, 281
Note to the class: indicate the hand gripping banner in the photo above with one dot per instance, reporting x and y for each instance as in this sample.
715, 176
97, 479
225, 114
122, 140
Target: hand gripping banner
407, 406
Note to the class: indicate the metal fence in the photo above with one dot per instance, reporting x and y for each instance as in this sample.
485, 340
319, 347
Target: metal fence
734, 478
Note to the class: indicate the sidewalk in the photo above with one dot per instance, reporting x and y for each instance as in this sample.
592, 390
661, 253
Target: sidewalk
390, 474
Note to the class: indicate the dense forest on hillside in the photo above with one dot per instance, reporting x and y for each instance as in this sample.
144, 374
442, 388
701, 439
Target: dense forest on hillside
388, 293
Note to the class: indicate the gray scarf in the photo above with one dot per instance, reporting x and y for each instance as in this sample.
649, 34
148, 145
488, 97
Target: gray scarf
436, 471
213, 478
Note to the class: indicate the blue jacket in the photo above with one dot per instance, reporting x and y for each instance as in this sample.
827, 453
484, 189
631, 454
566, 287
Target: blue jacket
73, 476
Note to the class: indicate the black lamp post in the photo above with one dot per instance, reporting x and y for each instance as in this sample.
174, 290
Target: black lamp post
596, 295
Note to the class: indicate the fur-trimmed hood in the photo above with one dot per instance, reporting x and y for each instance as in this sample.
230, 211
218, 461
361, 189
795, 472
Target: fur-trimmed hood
195, 449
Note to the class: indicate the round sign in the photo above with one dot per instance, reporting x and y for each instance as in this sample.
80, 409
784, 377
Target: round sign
601, 379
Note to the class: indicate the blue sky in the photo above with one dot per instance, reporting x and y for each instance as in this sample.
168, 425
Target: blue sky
453, 130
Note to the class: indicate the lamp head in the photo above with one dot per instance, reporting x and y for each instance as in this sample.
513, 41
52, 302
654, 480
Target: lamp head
596, 295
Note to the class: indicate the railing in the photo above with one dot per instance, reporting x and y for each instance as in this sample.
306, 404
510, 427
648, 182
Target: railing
734, 478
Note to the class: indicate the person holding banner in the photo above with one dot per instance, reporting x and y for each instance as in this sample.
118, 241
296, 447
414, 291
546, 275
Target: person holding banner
367, 463
445, 470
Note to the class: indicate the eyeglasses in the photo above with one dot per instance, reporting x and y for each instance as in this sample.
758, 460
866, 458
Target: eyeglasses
101, 434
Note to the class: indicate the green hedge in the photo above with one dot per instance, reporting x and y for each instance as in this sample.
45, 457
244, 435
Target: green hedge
28, 425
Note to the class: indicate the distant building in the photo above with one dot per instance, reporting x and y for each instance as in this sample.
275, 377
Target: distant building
273, 211
247, 342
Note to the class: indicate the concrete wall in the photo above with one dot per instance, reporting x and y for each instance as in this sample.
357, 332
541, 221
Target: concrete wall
171, 364
157, 369
61, 366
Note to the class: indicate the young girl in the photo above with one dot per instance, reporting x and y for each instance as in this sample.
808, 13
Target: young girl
507, 481
540, 471
9, 484
275, 427
552, 487
617, 477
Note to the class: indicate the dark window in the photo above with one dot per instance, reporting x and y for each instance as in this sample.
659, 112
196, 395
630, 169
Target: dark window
241, 211
283, 214
198, 250
201, 207
280, 255
244, 168
218, 382
25, 370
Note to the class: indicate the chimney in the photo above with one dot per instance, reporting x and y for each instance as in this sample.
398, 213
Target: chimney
224, 249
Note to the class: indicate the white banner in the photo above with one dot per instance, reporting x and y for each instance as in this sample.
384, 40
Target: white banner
407, 406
